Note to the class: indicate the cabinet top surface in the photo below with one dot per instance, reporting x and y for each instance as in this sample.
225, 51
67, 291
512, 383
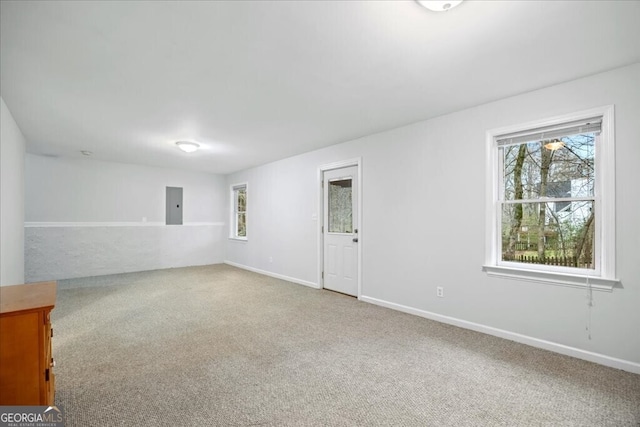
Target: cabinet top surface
27, 297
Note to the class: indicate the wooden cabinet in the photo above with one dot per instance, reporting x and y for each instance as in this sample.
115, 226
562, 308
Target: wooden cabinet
26, 362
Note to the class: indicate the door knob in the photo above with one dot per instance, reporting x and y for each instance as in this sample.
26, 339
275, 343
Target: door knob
355, 240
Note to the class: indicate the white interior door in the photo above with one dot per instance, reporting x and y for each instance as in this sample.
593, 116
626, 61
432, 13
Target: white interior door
340, 231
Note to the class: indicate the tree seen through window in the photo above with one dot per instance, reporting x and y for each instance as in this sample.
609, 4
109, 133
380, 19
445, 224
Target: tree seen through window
548, 201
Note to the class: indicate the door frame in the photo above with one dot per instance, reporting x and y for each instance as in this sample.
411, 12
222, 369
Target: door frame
357, 162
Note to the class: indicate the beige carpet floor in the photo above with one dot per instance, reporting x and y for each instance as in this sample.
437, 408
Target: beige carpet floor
219, 346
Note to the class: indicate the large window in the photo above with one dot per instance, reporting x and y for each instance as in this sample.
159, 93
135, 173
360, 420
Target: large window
239, 211
552, 202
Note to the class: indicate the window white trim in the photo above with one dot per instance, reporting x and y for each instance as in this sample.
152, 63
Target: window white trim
604, 276
233, 219
552, 278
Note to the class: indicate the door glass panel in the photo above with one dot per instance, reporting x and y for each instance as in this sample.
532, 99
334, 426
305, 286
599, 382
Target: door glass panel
340, 206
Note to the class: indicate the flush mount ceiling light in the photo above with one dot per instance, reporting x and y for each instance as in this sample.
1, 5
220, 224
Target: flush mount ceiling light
439, 6
187, 147
554, 144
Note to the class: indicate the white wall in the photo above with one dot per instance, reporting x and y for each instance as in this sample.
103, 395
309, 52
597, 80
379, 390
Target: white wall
12, 149
423, 224
86, 217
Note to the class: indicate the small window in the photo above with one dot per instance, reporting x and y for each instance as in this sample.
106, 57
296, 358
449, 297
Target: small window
239, 211
552, 200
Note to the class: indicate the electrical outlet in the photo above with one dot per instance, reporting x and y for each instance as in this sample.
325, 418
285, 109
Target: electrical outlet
440, 292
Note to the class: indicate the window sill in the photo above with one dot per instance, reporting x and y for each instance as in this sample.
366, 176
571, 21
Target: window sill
239, 239
559, 279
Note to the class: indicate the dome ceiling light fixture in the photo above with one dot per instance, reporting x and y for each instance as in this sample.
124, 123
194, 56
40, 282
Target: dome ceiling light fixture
438, 5
187, 147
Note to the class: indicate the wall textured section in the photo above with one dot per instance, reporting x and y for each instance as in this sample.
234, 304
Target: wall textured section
423, 222
87, 218
12, 153
81, 251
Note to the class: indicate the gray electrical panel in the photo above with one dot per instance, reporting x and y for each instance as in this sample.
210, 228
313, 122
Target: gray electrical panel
174, 205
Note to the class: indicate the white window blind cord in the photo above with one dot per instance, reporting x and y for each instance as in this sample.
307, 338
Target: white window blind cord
589, 307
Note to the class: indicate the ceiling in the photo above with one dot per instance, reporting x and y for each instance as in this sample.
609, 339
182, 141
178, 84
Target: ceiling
253, 82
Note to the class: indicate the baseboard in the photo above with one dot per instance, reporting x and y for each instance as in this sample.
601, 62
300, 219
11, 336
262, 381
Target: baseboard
275, 275
601, 359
